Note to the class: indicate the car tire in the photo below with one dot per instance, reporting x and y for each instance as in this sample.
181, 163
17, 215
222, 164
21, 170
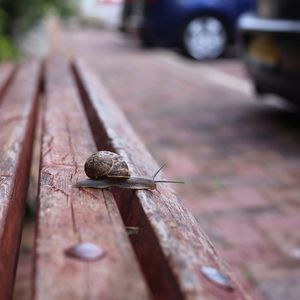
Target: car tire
204, 37
145, 40
258, 89
145, 43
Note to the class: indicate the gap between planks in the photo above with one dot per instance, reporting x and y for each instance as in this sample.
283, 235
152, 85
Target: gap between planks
170, 246
68, 215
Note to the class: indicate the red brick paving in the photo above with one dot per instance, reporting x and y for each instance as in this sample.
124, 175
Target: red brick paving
239, 158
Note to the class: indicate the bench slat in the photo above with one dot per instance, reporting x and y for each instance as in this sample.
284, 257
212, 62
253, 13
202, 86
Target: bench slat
68, 215
17, 120
171, 247
6, 72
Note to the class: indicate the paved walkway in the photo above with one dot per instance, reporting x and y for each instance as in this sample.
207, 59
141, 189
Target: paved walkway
240, 159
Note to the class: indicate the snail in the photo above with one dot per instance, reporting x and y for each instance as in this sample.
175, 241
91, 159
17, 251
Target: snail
107, 169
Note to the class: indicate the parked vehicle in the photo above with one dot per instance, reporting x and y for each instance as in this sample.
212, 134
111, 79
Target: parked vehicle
203, 28
270, 43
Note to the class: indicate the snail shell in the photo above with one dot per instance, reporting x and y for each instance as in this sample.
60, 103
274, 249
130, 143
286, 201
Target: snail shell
105, 164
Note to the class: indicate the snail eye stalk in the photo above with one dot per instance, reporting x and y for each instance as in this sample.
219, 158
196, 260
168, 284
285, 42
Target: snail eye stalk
164, 181
155, 174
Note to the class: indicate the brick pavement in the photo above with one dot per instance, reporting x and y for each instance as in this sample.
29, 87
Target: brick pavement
240, 159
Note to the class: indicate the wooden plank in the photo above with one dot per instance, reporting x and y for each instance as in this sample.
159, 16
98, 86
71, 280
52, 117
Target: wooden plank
6, 74
17, 121
171, 248
68, 215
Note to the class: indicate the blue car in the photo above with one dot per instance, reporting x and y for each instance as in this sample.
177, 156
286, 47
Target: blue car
203, 28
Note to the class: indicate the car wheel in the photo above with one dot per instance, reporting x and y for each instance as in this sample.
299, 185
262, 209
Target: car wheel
258, 89
146, 43
204, 37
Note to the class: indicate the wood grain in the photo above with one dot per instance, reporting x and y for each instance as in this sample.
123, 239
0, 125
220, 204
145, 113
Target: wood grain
170, 246
17, 120
6, 75
68, 215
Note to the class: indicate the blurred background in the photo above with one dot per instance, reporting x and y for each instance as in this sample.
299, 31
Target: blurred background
211, 87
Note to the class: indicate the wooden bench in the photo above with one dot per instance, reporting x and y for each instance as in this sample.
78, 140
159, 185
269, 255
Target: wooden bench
150, 246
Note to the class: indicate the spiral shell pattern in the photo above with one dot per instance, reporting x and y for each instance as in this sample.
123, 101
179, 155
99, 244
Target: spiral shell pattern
104, 164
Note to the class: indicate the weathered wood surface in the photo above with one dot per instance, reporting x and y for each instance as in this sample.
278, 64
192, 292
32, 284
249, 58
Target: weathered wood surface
68, 215
6, 72
17, 120
170, 246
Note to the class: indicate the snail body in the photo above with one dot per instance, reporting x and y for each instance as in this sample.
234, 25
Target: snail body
134, 183
107, 169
